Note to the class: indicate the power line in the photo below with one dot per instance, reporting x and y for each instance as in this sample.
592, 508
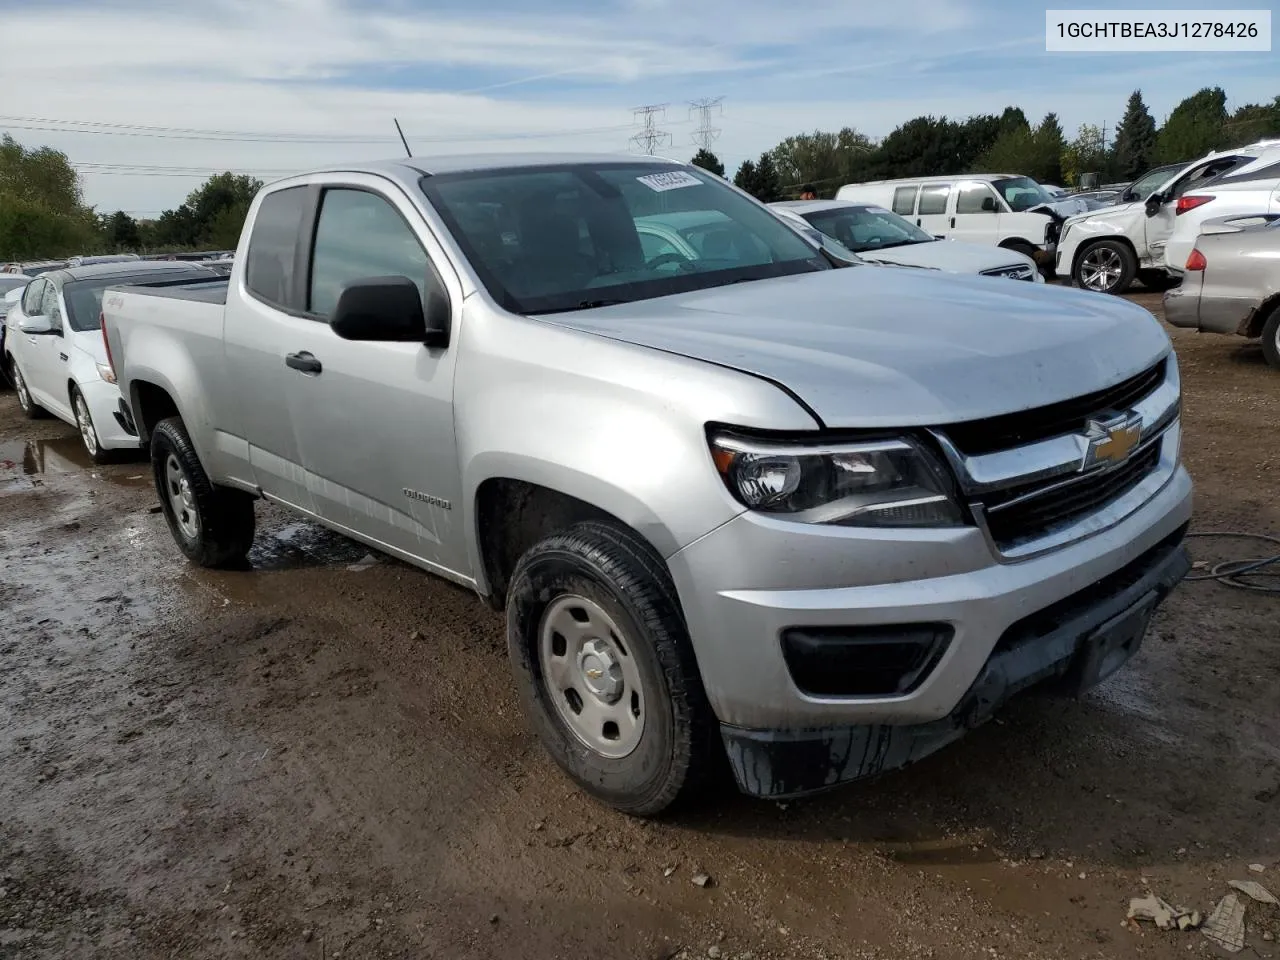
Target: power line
651, 136
229, 136
706, 134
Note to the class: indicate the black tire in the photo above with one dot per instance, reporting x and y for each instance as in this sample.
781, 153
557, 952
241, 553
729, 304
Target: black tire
1157, 281
1116, 262
224, 521
679, 748
94, 449
30, 409
1022, 247
1271, 338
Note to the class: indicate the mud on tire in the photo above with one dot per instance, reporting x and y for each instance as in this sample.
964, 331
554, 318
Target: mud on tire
615, 575
212, 525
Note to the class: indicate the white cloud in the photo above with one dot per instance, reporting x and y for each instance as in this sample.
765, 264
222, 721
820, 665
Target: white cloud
554, 80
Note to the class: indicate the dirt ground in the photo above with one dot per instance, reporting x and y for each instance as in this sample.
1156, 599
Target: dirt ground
323, 757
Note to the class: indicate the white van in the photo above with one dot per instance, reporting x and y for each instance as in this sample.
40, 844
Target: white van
1002, 209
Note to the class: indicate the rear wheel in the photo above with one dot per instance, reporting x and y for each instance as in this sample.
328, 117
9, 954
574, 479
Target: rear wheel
29, 407
606, 670
1271, 338
1107, 266
212, 525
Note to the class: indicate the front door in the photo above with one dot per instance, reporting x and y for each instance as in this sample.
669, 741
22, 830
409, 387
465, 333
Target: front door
374, 421
977, 216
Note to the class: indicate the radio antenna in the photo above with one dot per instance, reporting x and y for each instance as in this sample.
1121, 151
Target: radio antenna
402, 139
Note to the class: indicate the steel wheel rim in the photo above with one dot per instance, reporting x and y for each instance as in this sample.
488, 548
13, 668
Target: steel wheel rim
85, 423
24, 398
1101, 269
591, 676
181, 499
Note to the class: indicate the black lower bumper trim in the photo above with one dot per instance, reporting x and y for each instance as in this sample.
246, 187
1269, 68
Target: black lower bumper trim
1074, 643
125, 420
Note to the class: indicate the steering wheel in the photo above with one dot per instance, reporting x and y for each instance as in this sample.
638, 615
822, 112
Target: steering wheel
662, 259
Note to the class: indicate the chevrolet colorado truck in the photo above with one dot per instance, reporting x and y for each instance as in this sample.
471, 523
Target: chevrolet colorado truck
736, 501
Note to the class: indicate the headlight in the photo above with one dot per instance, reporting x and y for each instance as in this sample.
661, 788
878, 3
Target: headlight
106, 373
884, 483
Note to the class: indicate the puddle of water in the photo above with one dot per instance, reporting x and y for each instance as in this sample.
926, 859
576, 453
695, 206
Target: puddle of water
22, 460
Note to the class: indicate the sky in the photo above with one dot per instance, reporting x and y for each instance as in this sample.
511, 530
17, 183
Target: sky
148, 99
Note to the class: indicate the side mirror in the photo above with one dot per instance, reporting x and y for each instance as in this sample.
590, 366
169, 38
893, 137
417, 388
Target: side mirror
1154, 203
390, 309
35, 325
988, 204
1128, 196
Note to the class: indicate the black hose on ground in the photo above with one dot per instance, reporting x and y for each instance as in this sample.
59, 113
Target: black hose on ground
1244, 574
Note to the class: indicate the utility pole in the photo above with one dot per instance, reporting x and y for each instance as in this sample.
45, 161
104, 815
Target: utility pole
706, 134
651, 136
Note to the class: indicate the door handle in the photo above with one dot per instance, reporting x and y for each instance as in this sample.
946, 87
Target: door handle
953, 223
303, 361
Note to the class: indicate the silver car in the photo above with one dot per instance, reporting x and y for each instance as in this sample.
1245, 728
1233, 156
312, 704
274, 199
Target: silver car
1231, 282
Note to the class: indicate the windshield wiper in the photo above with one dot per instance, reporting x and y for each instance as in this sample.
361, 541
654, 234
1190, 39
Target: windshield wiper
592, 304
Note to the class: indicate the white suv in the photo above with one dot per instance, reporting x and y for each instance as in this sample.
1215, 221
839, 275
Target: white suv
1108, 249
1251, 188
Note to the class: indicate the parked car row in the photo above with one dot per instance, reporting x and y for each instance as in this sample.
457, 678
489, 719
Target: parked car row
622, 400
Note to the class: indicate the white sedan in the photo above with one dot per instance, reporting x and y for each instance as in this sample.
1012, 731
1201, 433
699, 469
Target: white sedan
881, 236
55, 356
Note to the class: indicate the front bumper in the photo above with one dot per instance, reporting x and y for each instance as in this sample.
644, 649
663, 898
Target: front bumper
1078, 642
104, 403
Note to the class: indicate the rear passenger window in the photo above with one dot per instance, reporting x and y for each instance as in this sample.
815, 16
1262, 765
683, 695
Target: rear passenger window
933, 198
904, 201
360, 235
268, 269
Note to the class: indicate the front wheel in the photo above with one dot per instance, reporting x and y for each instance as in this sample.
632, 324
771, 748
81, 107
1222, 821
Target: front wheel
88, 432
606, 670
212, 525
1107, 266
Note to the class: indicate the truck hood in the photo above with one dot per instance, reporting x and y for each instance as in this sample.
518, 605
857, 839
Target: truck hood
1120, 211
1060, 209
954, 256
869, 347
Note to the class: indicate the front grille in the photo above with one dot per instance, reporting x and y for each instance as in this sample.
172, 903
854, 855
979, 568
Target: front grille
1015, 271
1071, 416
1012, 523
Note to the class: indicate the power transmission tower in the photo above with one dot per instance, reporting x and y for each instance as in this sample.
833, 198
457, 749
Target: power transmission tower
651, 136
706, 134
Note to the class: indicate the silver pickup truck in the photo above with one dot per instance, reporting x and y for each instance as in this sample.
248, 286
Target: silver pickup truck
736, 501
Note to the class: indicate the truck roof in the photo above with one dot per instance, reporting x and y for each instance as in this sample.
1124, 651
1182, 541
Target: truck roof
414, 168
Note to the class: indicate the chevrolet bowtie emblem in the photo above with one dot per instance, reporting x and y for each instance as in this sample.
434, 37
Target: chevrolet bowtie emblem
1111, 441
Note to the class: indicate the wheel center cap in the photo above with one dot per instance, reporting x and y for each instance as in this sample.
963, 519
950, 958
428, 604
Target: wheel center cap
600, 671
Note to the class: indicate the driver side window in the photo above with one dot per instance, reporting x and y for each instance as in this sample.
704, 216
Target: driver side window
49, 306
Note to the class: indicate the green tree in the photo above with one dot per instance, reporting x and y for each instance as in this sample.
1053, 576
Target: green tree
827, 160
1253, 121
121, 232
768, 185
1195, 127
1135, 143
1013, 152
1049, 145
1013, 119
922, 147
42, 212
218, 208
1085, 154
707, 160
745, 178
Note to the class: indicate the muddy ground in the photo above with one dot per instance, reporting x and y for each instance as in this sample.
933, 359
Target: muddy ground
323, 757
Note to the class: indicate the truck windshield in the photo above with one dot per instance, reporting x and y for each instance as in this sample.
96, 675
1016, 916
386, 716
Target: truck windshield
566, 237
1022, 193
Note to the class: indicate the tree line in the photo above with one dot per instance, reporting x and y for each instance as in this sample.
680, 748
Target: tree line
43, 213
1008, 143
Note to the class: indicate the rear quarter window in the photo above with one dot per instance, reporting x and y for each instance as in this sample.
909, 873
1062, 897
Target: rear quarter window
273, 247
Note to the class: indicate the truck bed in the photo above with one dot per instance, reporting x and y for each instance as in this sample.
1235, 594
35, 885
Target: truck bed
213, 290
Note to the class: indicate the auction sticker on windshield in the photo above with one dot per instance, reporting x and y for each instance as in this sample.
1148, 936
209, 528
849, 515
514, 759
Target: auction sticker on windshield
673, 180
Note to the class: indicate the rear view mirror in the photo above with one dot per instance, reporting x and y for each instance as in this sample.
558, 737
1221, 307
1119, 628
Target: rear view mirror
35, 325
988, 204
390, 309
